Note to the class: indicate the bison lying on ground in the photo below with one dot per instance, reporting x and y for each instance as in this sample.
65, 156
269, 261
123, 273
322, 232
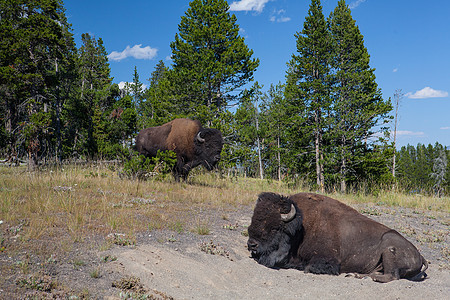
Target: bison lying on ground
192, 144
321, 235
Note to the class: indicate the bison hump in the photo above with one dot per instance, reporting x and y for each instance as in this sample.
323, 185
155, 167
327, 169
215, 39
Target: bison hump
181, 137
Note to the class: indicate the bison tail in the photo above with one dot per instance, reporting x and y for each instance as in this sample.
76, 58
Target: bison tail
422, 275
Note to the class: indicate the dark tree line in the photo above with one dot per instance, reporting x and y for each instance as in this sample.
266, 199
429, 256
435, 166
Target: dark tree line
56, 101
424, 169
325, 126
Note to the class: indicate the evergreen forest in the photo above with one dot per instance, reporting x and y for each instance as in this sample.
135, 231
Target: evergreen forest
327, 126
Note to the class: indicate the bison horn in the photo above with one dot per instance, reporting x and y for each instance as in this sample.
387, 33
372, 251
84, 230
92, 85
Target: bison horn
199, 138
289, 216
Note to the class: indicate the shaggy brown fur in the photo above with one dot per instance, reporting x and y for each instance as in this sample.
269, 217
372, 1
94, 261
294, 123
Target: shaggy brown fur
193, 144
326, 236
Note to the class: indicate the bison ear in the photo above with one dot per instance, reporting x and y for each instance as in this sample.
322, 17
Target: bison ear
267, 196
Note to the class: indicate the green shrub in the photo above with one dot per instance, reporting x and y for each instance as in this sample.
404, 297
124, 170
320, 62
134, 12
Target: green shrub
142, 168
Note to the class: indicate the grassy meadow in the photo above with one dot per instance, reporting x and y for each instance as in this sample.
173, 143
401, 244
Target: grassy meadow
54, 217
71, 203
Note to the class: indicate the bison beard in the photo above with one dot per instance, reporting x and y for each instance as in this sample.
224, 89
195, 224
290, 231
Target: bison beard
276, 252
321, 235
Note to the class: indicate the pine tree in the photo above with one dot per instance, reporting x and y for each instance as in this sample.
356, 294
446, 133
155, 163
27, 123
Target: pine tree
158, 74
424, 169
95, 95
138, 93
120, 127
439, 170
247, 132
210, 60
157, 106
274, 116
13, 69
137, 89
358, 106
67, 76
423, 166
36, 50
306, 86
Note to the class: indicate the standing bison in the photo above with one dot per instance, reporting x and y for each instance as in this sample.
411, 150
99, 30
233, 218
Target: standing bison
321, 235
192, 144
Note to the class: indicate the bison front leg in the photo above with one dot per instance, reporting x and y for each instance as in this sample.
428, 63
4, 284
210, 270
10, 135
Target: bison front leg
178, 175
181, 171
390, 270
321, 265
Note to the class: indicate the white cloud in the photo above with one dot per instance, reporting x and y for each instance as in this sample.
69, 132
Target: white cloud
136, 51
248, 5
283, 19
123, 83
280, 19
427, 92
278, 16
395, 70
356, 4
409, 133
445, 128
243, 33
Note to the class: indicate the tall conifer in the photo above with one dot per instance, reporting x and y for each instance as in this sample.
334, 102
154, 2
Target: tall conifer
358, 106
306, 87
95, 93
275, 121
210, 60
36, 51
158, 105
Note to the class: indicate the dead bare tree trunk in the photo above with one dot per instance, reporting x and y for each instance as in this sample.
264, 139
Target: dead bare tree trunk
343, 170
319, 155
58, 118
261, 172
398, 95
279, 158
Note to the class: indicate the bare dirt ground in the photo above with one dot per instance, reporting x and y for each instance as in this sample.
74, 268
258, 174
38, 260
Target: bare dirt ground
167, 264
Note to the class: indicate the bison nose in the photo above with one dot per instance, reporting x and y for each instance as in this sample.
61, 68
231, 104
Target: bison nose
217, 157
252, 245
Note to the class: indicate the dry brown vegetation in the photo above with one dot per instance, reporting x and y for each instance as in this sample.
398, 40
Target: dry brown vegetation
44, 214
85, 201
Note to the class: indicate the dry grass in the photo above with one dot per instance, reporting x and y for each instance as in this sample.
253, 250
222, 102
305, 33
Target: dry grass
77, 202
44, 215
389, 198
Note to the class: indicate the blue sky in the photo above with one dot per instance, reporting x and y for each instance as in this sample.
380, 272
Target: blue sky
408, 41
